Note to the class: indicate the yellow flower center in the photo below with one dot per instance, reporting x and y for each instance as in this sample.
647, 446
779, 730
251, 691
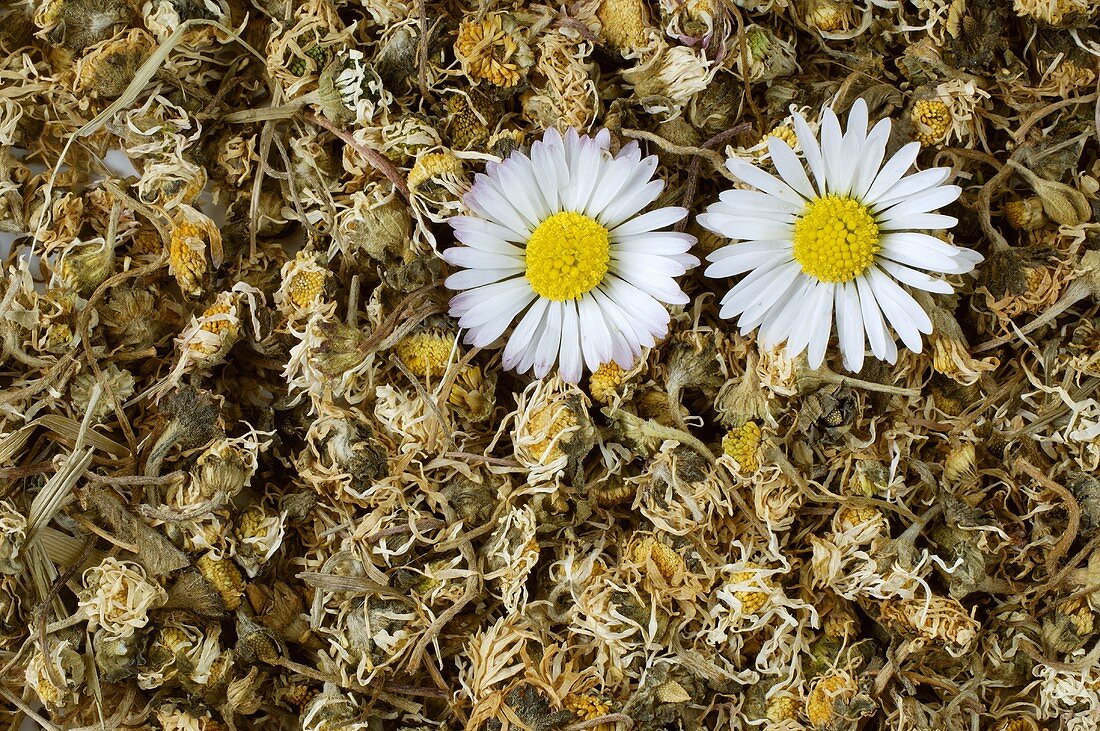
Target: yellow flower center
836, 239
567, 255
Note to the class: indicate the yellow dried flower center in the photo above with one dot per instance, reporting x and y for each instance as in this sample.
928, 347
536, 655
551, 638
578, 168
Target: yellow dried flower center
567, 256
836, 239
426, 353
741, 444
602, 384
932, 118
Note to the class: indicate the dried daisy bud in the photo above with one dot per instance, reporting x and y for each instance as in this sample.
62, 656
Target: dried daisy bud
782, 707
866, 522
931, 121
769, 56
305, 284
504, 143
671, 692
960, 467
604, 381
84, 266
1062, 13
741, 400
563, 93
13, 536
377, 224
493, 49
586, 706
435, 169
258, 533
511, 554
128, 317
193, 233
117, 381
553, 432
1069, 626
206, 341
116, 658
224, 576
62, 665
667, 561
1026, 213
752, 599
829, 16
951, 354
473, 394
117, 596
670, 78
180, 716
624, 24
829, 695
937, 618
107, 69
428, 353
1062, 203
1016, 723
742, 444
469, 116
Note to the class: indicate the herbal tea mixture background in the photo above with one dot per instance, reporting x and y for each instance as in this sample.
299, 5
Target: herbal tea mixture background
252, 474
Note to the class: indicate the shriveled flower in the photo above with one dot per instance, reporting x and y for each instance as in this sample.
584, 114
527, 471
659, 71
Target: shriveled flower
117, 596
493, 49
555, 242
845, 244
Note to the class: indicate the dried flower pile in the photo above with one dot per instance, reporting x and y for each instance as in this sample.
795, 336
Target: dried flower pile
261, 468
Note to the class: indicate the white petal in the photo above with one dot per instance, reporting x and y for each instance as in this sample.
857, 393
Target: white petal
822, 327
811, 150
874, 150
548, 347
923, 202
892, 171
803, 329
755, 282
635, 189
911, 185
638, 265
622, 329
490, 204
642, 309
784, 284
926, 221
650, 221
849, 326
907, 317
751, 247
502, 300
654, 242
922, 251
739, 227
616, 176
473, 278
756, 177
521, 339
913, 278
787, 165
877, 334
781, 320
832, 152
469, 230
733, 265
596, 343
570, 363
468, 257
760, 203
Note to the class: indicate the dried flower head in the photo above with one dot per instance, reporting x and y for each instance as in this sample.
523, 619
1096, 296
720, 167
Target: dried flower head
117, 596
493, 49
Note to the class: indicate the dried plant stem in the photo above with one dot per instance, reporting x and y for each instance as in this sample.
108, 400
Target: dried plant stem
601, 720
376, 159
27, 710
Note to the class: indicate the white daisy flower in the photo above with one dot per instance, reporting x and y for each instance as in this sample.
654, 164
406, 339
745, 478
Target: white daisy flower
841, 246
556, 243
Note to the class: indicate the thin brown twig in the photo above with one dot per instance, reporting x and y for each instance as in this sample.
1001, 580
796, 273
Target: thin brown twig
375, 159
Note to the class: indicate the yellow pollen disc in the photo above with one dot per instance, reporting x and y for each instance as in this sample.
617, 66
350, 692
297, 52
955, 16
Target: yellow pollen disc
567, 255
836, 239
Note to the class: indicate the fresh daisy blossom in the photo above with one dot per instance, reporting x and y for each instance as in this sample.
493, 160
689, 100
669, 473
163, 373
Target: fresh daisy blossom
843, 246
556, 243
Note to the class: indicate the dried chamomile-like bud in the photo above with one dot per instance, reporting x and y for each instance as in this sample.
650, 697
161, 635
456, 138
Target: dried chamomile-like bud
194, 237
13, 537
117, 596
108, 68
493, 49
830, 694
305, 284
931, 121
553, 432
223, 576
56, 676
742, 444
624, 24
